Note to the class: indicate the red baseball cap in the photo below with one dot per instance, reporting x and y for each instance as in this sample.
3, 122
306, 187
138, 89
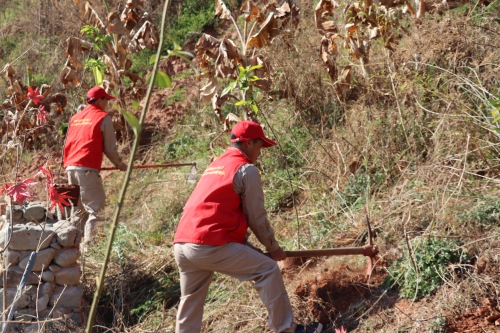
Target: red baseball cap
248, 130
96, 93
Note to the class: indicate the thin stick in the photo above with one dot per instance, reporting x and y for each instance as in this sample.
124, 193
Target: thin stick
121, 198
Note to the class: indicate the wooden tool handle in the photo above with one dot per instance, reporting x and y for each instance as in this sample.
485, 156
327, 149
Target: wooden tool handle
367, 250
151, 166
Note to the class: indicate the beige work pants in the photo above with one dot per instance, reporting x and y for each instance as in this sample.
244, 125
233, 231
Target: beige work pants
197, 263
92, 199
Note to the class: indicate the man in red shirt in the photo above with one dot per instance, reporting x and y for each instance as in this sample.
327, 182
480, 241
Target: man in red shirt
211, 235
90, 134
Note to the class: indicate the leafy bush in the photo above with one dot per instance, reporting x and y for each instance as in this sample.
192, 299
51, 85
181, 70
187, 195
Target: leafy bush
357, 185
431, 256
486, 213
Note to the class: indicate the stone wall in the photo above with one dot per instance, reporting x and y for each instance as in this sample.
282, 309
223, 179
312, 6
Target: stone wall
53, 287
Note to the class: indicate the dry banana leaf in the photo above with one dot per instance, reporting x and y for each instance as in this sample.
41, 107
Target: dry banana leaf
323, 13
92, 17
251, 11
115, 25
268, 30
221, 10
264, 73
69, 76
208, 90
226, 64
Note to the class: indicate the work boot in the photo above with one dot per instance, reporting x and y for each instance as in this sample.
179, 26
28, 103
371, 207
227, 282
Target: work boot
313, 328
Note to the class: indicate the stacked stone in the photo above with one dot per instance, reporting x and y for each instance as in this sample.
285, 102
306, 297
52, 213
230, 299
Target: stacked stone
53, 287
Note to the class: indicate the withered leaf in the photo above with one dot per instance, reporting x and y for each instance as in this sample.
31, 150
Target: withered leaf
92, 17
144, 35
343, 83
135, 4
230, 120
221, 10
115, 25
323, 11
133, 77
75, 46
69, 76
206, 45
228, 59
251, 11
208, 90
264, 73
45, 90
268, 30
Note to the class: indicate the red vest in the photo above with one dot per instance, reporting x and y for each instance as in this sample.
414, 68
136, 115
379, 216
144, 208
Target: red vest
213, 215
84, 141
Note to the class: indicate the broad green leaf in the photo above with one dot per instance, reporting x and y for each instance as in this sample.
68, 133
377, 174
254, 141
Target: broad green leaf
242, 102
98, 75
152, 59
254, 108
253, 78
229, 88
494, 112
133, 122
495, 103
255, 67
161, 80
496, 119
135, 104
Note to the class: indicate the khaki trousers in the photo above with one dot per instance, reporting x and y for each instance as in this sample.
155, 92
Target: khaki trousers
92, 199
197, 263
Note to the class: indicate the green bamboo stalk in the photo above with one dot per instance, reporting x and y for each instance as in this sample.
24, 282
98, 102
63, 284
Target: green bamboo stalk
114, 226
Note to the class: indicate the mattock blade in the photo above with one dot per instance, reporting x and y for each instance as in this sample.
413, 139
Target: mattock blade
371, 259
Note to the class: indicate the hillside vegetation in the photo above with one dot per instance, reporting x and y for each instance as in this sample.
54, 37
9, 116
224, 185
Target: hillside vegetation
403, 132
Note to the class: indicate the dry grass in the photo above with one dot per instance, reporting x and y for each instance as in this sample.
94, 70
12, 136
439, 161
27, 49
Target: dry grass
416, 139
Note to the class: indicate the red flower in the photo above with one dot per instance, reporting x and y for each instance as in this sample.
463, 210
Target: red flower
42, 115
44, 170
57, 198
18, 191
34, 95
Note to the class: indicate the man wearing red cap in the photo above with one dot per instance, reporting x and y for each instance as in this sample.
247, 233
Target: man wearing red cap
90, 134
212, 235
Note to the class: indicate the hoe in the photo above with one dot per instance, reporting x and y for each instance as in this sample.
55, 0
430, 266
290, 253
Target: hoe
370, 250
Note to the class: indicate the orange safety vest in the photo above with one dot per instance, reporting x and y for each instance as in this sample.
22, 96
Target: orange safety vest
213, 214
84, 141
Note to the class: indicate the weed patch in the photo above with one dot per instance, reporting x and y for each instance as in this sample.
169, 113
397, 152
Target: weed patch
422, 273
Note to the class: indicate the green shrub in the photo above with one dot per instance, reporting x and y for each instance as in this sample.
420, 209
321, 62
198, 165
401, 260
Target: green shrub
486, 213
354, 193
432, 256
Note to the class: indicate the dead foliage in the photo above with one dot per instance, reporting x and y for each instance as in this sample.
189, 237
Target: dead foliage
129, 31
222, 58
28, 110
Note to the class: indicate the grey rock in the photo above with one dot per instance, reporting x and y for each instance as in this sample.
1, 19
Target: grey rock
42, 302
70, 297
14, 275
47, 288
68, 235
31, 328
42, 261
17, 212
34, 212
21, 302
28, 236
67, 257
48, 276
69, 276
55, 245
60, 312
54, 268
13, 257
75, 319
23, 318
